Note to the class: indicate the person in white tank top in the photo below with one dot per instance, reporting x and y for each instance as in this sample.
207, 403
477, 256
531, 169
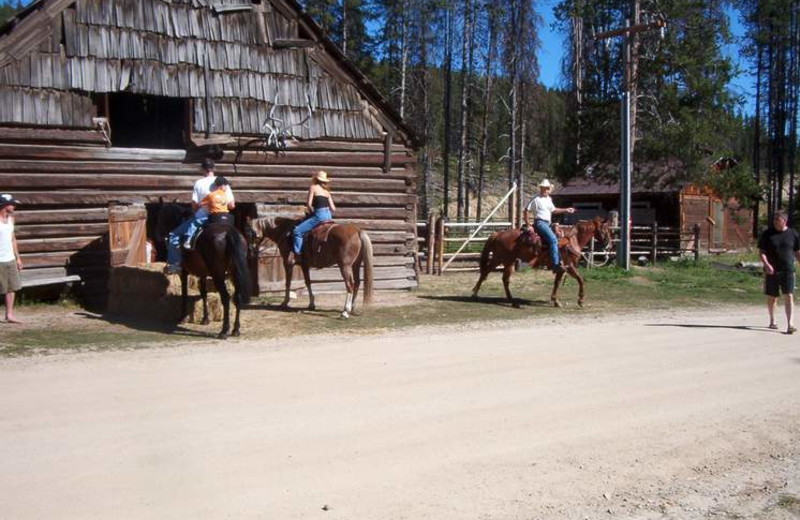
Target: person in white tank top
10, 262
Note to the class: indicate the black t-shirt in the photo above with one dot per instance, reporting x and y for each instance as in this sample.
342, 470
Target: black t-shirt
780, 247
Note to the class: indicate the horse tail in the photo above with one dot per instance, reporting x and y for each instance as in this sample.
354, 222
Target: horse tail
369, 278
487, 253
241, 273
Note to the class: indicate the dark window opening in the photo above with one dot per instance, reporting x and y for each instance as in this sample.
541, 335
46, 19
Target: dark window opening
141, 121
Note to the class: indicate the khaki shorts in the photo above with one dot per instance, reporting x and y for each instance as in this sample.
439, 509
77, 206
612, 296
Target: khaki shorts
9, 277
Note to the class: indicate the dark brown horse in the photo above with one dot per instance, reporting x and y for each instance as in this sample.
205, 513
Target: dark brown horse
344, 245
505, 247
220, 250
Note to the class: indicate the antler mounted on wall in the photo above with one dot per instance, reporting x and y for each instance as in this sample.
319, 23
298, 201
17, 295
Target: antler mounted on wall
279, 134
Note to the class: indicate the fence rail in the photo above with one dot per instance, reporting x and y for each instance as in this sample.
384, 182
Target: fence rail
438, 241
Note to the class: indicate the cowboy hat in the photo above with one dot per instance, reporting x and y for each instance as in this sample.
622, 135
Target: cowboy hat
321, 176
6, 199
545, 184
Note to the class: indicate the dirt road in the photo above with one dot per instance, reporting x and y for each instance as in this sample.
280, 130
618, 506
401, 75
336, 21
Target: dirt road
696, 415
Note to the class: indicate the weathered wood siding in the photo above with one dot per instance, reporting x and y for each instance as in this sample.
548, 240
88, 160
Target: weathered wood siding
237, 61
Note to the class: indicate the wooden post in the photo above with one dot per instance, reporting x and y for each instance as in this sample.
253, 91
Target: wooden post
696, 231
440, 244
654, 227
430, 247
591, 253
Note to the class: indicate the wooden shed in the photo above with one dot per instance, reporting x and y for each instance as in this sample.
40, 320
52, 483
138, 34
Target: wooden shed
108, 103
723, 224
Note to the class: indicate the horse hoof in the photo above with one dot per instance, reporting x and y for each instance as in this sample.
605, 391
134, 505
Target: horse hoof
345, 315
222, 335
312, 307
556, 303
580, 304
235, 333
474, 296
516, 305
205, 321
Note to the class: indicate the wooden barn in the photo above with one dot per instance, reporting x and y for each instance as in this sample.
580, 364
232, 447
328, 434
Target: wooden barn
107, 107
723, 224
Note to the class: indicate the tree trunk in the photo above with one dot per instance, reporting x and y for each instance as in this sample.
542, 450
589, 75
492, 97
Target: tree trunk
462, 149
447, 95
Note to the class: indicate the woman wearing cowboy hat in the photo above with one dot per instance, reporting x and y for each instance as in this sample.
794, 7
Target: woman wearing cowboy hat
544, 209
10, 262
319, 204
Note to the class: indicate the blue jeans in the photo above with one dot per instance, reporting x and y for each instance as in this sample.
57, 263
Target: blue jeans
544, 230
177, 235
321, 215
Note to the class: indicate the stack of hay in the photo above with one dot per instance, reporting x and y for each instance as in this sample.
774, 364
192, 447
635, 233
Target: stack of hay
145, 292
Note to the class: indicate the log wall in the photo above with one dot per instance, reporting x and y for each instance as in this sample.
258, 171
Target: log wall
65, 192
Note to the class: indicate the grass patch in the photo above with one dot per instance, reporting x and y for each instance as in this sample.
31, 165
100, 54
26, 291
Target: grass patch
790, 503
51, 340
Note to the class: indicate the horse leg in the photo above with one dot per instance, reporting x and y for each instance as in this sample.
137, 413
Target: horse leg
572, 270
236, 331
219, 282
556, 284
508, 270
307, 278
349, 282
184, 295
204, 296
484, 274
288, 267
356, 283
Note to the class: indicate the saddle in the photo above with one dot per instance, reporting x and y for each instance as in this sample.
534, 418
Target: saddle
529, 236
224, 219
317, 238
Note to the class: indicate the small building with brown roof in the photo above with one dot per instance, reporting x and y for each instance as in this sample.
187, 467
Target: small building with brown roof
723, 223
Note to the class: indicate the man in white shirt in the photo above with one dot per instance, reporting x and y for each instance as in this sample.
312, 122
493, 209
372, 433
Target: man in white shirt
10, 262
184, 232
544, 209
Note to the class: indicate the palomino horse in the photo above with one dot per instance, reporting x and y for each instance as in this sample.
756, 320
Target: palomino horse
220, 250
505, 247
344, 245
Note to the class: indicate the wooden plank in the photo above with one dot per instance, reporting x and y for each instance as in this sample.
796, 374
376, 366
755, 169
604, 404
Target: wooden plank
12, 181
42, 245
9, 134
62, 258
60, 230
276, 197
82, 153
61, 216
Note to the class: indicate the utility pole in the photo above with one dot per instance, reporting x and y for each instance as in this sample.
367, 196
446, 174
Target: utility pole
627, 32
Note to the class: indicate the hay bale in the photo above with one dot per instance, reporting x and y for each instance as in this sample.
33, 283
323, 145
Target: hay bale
145, 292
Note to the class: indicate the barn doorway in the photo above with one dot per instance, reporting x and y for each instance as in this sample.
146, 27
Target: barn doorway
142, 121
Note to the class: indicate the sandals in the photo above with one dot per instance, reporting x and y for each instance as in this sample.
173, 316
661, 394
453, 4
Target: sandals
772, 326
791, 329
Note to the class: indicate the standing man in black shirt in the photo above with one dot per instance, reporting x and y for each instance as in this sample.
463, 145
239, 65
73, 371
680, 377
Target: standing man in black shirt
779, 247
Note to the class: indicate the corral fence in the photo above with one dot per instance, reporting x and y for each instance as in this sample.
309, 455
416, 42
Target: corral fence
438, 242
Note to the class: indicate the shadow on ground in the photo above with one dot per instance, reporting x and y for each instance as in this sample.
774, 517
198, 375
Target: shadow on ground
149, 326
702, 326
501, 301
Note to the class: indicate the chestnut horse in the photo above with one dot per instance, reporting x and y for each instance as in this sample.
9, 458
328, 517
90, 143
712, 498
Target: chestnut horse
505, 247
344, 245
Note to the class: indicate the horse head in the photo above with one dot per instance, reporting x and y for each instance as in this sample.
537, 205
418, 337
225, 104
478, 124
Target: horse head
602, 232
272, 228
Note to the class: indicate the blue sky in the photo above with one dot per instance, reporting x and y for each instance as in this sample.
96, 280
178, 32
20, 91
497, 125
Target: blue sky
552, 51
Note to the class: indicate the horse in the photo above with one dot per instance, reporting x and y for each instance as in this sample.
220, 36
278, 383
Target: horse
344, 245
505, 247
220, 250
